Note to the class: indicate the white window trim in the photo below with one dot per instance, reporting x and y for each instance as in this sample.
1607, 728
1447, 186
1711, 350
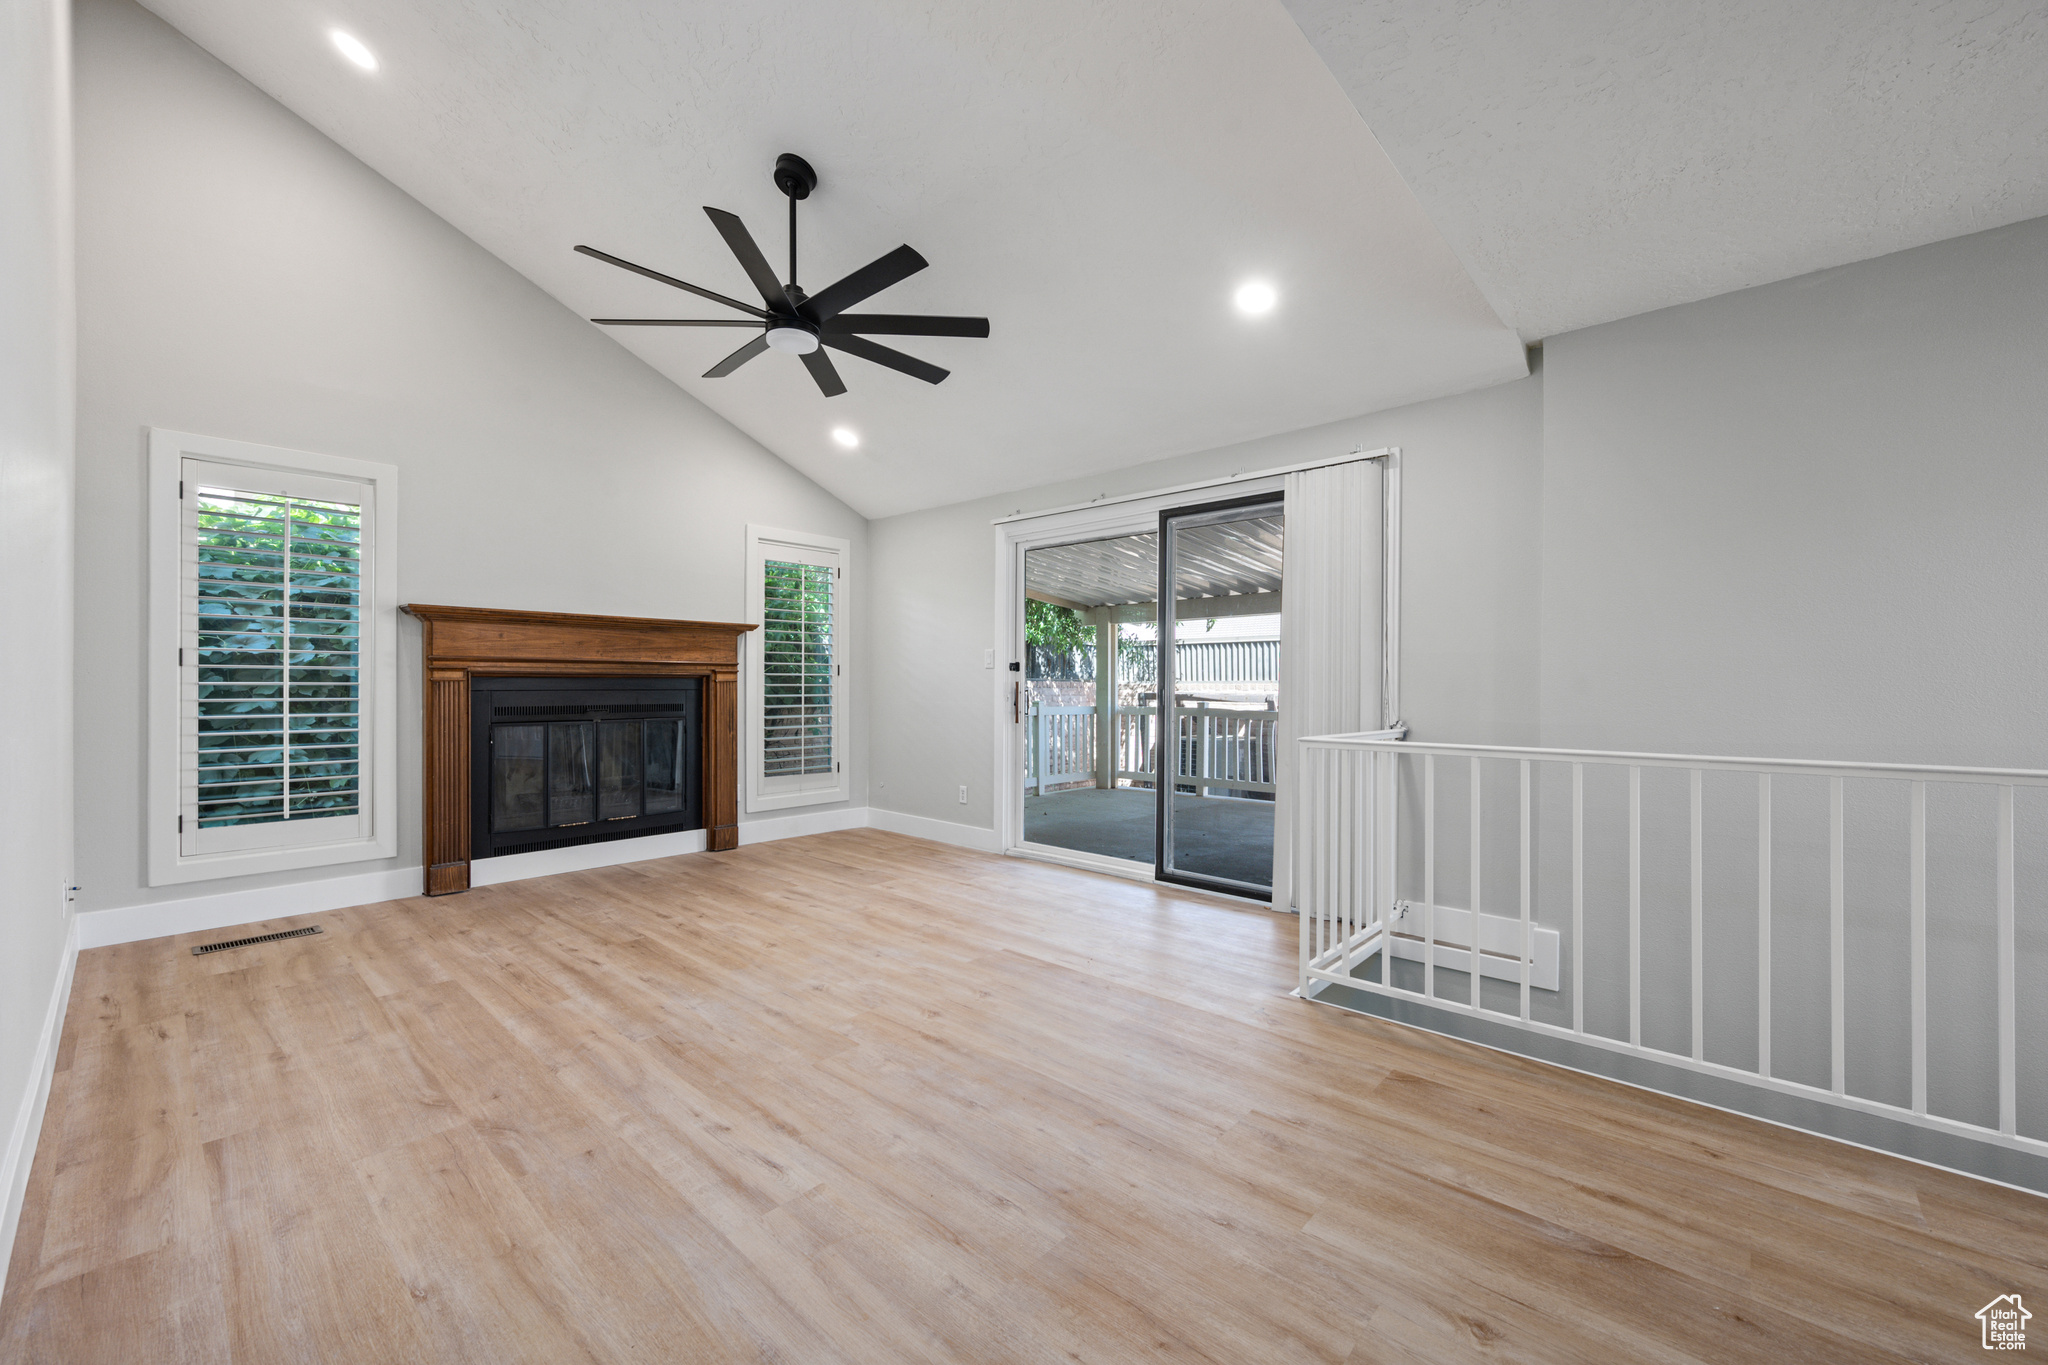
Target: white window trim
168, 864
761, 542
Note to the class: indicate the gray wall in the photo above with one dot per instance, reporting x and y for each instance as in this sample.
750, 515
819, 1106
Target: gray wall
242, 276
1471, 487
1805, 520
35, 549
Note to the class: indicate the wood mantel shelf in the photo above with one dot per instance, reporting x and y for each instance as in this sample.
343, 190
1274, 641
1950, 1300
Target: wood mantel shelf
461, 643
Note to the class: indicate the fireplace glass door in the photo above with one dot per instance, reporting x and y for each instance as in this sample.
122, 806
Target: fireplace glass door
560, 764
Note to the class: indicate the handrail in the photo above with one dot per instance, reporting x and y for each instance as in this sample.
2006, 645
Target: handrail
1387, 741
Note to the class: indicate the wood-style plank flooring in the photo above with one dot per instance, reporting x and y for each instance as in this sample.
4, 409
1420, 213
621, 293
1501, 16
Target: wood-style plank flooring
863, 1098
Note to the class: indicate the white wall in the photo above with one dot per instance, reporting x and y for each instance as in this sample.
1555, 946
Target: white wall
1471, 488
35, 559
243, 276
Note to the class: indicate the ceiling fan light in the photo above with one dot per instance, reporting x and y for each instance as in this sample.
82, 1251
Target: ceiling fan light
795, 340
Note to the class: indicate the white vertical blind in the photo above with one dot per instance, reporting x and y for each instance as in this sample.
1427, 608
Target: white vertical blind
1332, 599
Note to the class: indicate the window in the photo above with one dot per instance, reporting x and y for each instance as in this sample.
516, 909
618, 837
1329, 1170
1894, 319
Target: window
796, 671
273, 678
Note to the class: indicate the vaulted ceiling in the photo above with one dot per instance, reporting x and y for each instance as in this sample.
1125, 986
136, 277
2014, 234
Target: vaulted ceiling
1096, 179
1594, 159
1427, 183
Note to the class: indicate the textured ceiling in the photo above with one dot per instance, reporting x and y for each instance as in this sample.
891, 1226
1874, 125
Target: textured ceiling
1228, 560
1594, 159
1095, 179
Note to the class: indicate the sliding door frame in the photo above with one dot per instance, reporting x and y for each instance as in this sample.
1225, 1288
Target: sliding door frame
1243, 504
1104, 518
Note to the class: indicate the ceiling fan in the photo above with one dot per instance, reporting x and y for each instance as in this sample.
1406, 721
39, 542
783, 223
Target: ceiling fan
801, 323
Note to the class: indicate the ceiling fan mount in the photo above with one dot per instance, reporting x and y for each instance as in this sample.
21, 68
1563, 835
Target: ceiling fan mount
801, 323
794, 176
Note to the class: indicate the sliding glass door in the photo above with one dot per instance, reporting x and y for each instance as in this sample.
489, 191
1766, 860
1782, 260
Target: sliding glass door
1218, 694
1085, 698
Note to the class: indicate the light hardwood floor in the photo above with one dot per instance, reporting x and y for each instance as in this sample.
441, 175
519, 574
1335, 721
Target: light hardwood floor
859, 1097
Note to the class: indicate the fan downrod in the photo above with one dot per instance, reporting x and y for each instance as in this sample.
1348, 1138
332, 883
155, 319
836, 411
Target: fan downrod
794, 176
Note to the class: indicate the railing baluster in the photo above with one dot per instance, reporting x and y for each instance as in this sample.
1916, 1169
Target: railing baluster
1297, 857
1838, 1003
1527, 935
1429, 876
1917, 864
1356, 848
1341, 839
1635, 906
1699, 918
2008, 1001
1763, 924
1578, 898
1473, 936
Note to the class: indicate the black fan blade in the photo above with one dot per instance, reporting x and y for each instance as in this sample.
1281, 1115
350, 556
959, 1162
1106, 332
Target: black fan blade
670, 279
751, 260
737, 358
820, 366
907, 325
882, 355
675, 322
871, 278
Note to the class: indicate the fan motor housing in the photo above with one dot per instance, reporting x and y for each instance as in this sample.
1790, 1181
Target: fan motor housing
794, 176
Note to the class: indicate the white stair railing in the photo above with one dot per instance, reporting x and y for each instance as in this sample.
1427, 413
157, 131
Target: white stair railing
1368, 859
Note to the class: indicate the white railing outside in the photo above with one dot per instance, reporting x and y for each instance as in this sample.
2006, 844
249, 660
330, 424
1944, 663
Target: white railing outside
1220, 749
1226, 750
1368, 879
1061, 748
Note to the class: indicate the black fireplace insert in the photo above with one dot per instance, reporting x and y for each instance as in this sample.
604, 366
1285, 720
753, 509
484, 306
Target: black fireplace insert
562, 761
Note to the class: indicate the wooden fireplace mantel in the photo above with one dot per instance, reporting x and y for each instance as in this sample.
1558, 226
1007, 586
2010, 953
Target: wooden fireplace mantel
461, 643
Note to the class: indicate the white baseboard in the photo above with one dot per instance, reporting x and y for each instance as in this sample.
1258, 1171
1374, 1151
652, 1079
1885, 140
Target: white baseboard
192, 914
28, 1119
796, 826
939, 831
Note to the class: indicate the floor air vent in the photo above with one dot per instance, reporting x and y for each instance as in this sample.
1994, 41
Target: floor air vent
203, 949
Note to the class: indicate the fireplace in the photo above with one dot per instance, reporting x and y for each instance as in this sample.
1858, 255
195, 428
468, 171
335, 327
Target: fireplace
557, 762
471, 650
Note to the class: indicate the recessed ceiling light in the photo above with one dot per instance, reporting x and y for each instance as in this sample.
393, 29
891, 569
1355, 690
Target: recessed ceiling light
847, 437
351, 47
1255, 297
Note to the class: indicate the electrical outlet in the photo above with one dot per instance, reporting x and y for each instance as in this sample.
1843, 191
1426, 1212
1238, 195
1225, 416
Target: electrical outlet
963, 796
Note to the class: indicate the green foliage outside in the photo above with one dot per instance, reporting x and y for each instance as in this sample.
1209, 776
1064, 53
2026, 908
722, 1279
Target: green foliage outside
1056, 628
796, 651
279, 607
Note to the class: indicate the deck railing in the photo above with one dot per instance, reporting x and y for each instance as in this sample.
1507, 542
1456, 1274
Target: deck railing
1219, 749
1711, 910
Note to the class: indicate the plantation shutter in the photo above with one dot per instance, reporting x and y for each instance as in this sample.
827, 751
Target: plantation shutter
274, 579
799, 669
